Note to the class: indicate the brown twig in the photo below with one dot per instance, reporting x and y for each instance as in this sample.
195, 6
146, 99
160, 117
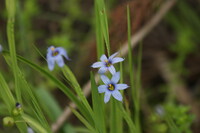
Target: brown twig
123, 50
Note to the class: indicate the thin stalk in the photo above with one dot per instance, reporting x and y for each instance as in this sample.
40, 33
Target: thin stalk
138, 86
134, 87
10, 5
104, 23
99, 36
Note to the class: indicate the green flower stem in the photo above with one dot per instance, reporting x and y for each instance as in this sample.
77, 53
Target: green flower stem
10, 5
34, 124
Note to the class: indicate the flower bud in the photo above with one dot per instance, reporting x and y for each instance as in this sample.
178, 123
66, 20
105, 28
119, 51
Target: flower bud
8, 121
19, 107
15, 112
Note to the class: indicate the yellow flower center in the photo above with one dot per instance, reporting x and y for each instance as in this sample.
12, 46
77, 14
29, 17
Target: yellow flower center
108, 64
54, 53
111, 87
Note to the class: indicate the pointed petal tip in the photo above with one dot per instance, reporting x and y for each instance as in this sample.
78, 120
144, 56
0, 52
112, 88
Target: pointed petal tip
51, 68
106, 102
97, 65
117, 59
121, 86
103, 57
107, 97
113, 55
117, 95
68, 59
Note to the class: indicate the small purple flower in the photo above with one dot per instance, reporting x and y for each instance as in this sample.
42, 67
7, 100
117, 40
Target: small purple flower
111, 87
160, 110
107, 63
18, 105
55, 55
30, 130
1, 48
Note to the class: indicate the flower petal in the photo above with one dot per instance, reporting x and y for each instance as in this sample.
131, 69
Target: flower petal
103, 58
113, 55
97, 64
105, 79
121, 86
117, 95
50, 48
30, 130
102, 88
117, 59
102, 70
112, 69
115, 77
1, 48
107, 97
60, 61
49, 52
51, 63
63, 52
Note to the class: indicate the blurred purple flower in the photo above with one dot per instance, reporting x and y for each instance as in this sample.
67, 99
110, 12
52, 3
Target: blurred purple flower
30, 130
107, 63
1, 48
111, 87
55, 55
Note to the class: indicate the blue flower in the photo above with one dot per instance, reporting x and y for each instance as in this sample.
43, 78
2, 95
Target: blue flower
55, 55
111, 87
107, 63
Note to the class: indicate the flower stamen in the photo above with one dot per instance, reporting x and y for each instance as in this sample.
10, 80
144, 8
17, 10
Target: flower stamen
111, 87
54, 53
108, 63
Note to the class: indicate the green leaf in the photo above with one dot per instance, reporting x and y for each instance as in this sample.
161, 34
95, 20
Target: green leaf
29, 97
51, 108
99, 35
83, 120
10, 5
9, 100
34, 124
59, 84
98, 107
6, 94
116, 117
103, 22
128, 119
74, 83
134, 87
21, 124
48, 104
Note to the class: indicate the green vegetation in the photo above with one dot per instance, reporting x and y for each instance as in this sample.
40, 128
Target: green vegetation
32, 96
